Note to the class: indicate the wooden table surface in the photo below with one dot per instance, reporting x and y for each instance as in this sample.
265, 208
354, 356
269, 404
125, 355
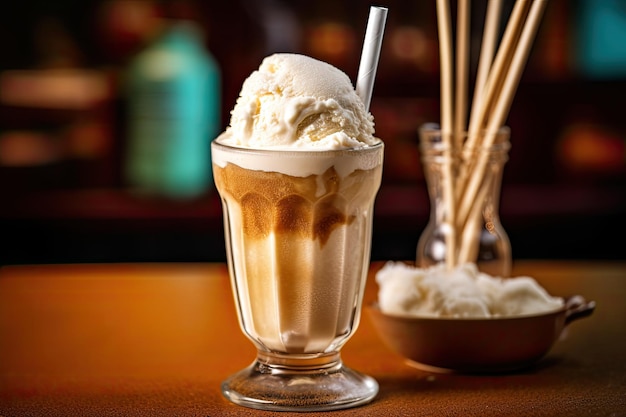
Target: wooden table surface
158, 339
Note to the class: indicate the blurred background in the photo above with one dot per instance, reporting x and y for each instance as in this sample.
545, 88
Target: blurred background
107, 108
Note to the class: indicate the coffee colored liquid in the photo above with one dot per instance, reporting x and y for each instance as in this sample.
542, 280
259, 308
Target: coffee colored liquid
299, 248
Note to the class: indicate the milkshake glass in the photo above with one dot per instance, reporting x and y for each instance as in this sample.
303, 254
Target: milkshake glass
298, 227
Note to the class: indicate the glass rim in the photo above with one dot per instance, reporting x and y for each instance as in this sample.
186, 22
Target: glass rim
435, 127
430, 136
297, 152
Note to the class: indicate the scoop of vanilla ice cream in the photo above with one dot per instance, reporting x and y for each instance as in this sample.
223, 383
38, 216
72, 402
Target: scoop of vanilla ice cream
463, 292
296, 102
523, 296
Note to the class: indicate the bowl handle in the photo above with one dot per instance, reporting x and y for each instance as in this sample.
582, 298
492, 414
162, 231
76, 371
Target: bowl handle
577, 307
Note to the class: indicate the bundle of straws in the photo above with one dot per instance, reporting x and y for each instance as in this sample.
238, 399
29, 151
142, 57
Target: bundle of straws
500, 67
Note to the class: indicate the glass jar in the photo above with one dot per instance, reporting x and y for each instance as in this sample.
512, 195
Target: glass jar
464, 189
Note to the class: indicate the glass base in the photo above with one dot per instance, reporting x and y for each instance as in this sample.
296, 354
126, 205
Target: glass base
301, 384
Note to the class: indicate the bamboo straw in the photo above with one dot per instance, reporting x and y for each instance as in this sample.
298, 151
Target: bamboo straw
511, 82
462, 70
503, 104
470, 234
490, 92
496, 83
487, 49
467, 185
498, 70
445, 58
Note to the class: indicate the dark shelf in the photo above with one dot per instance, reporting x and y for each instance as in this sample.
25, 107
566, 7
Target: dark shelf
109, 225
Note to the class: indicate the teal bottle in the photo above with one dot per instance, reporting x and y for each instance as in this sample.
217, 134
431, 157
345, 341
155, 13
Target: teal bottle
174, 103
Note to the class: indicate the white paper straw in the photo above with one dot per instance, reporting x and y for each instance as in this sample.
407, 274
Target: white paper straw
370, 54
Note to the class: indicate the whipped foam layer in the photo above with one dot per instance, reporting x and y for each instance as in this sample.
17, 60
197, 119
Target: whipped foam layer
298, 163
463, 292
294, 102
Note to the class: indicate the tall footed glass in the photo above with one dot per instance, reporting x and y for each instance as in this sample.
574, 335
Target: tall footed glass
298, 235
471, 230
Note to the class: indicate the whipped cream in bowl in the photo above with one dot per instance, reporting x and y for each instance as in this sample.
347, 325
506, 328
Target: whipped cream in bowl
463, 320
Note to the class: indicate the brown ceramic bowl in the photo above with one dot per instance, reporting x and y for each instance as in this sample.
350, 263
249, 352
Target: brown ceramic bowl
476, 345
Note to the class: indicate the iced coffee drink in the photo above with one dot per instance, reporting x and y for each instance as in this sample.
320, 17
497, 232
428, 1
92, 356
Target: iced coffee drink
298, 170
299, 241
